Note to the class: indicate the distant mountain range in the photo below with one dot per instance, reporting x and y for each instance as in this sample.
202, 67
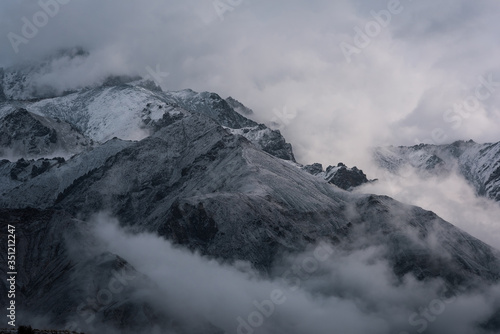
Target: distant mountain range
478, 163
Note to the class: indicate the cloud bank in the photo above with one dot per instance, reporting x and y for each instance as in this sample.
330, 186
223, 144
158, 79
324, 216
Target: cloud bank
450, 197
394, 86
344, 292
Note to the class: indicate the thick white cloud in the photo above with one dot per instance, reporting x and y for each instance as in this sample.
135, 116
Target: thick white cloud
450, 197
345, 293
287, 54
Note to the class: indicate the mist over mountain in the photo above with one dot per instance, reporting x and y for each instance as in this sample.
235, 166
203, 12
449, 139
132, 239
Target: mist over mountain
405, 85
139, 210
246, 167
478, 163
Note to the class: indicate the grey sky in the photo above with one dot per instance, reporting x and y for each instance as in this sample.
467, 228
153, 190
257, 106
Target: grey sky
285, 60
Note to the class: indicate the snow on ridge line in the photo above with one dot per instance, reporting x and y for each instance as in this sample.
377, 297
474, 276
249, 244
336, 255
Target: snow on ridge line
130, 112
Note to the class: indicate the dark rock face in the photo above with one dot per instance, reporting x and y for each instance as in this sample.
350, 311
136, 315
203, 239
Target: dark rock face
189, 225
341, 176
270, 141
345, 178
58, 277
24, 134
227, 113
377, 215
239, 107
314, 169
211, 105
24, 170
19, 124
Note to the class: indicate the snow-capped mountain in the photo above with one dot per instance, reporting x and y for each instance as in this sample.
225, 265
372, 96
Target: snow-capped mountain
41, 79
478, 163
130, 111
26, 82
187, 167
239, 107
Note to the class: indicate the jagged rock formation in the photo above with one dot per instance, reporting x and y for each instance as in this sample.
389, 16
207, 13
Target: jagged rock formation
132, 111
270, 141
27, 135
211, 105
239, 107
341, 176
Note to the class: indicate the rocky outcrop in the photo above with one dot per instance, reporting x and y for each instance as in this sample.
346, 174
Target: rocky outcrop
23, 134
341, 176
210, 105
270, 141
239, 107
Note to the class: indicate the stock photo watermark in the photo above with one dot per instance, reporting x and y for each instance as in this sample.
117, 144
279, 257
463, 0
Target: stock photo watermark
223, 6
156, 74
299, 272
363, 36
11, 275
461, 110
429, 314
31, 27
88, 309
282, 118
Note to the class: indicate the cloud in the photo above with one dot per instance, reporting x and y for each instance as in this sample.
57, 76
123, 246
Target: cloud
287, 53
450, 197
353, 292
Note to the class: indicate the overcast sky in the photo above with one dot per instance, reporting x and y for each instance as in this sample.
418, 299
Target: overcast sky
302, 64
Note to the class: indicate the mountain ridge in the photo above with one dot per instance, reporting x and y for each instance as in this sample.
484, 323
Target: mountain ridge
479, 164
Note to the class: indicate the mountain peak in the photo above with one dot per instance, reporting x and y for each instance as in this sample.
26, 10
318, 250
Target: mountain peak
239, 107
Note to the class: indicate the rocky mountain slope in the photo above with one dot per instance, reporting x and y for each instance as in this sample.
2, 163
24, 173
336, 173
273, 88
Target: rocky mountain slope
478, 163
131, 111
188, 168
27, 135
